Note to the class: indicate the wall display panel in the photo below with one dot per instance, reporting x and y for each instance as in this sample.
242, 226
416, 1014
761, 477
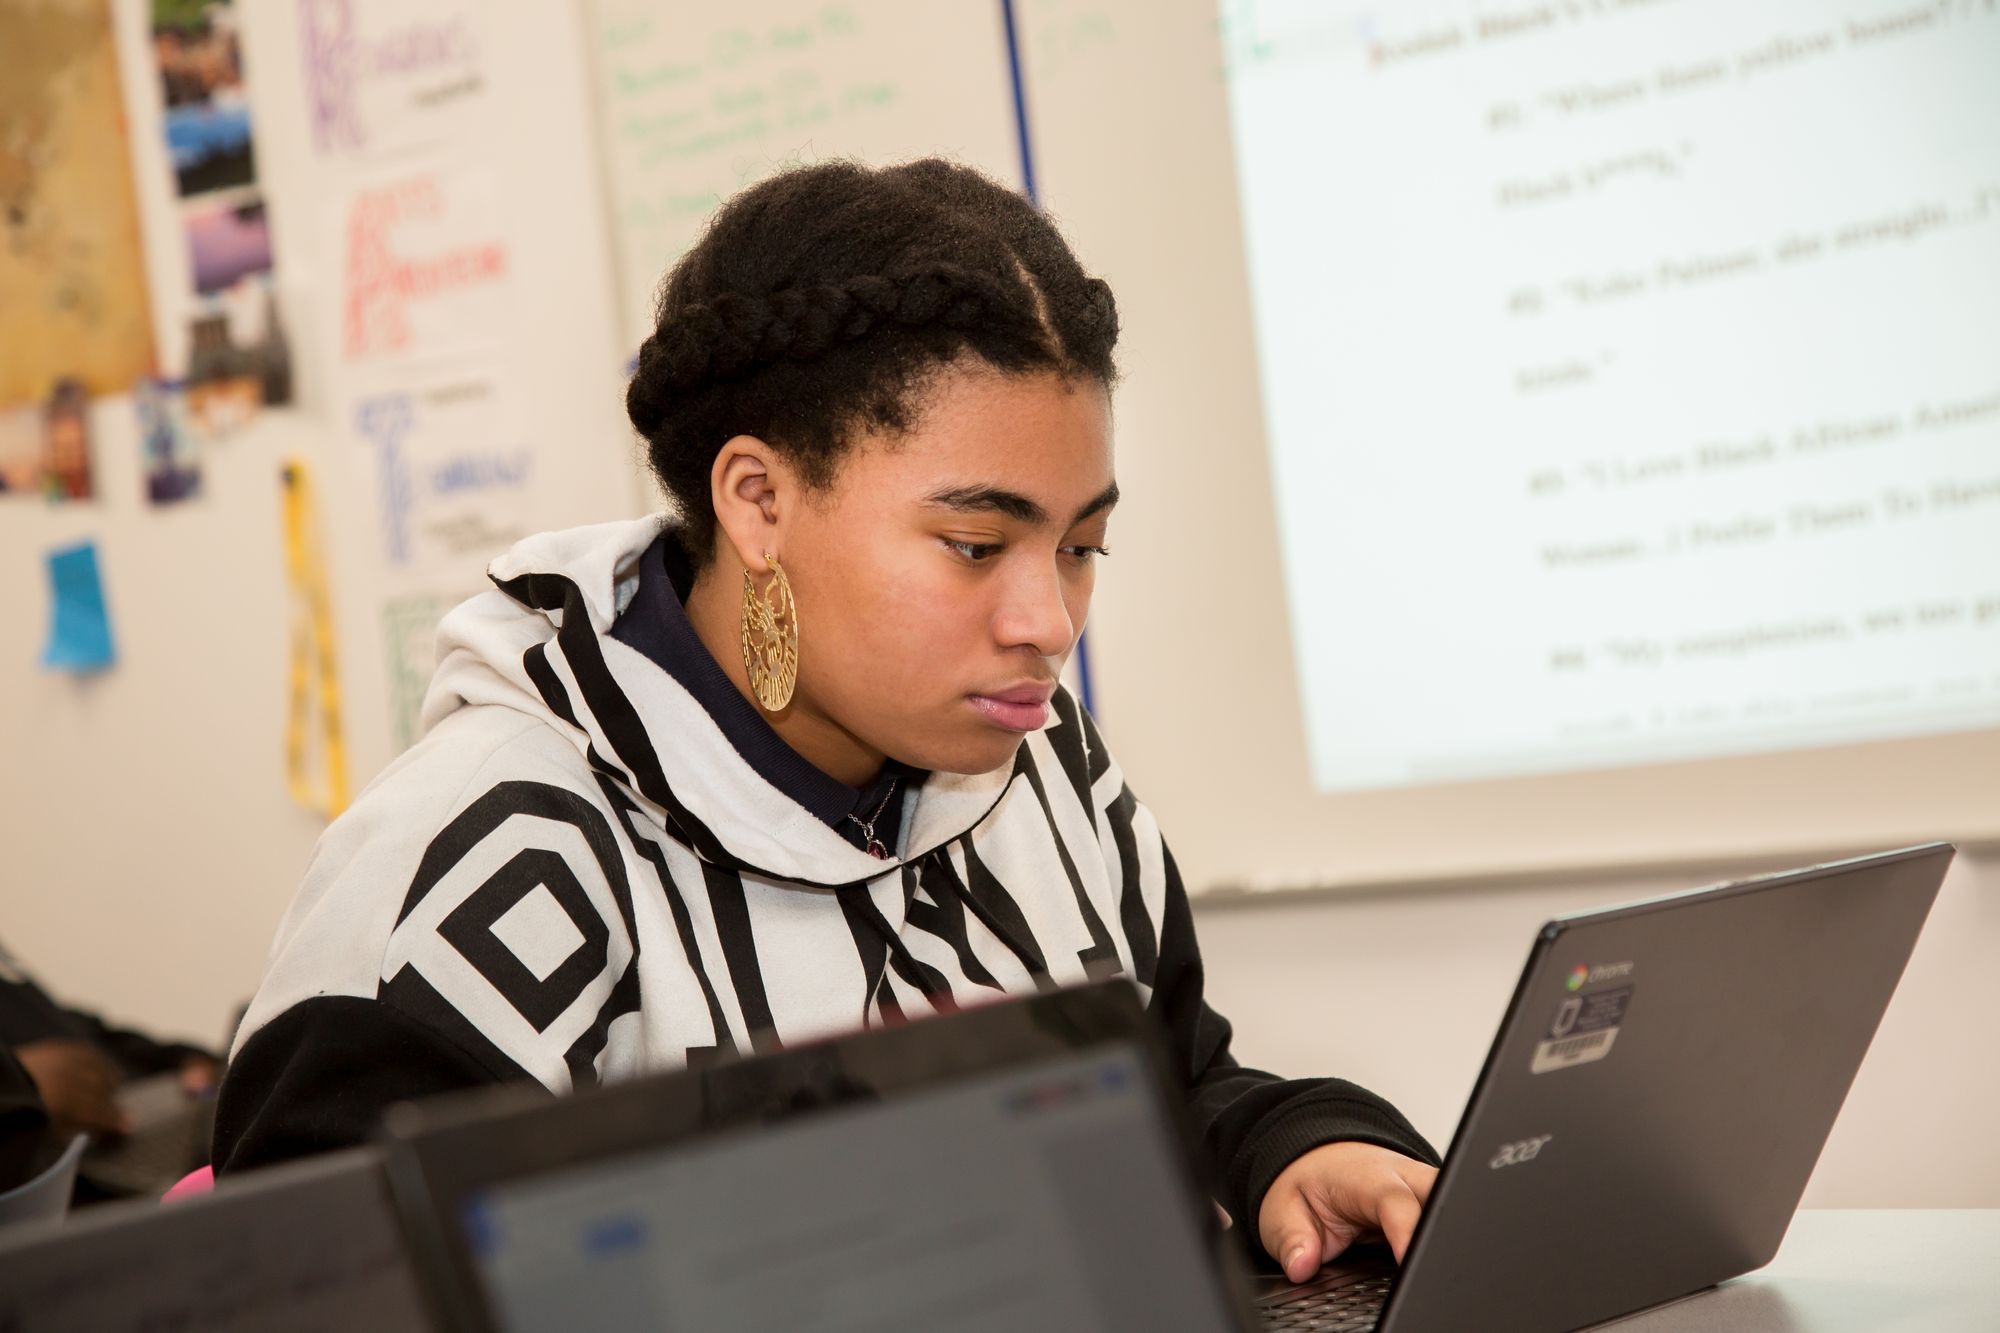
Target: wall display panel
1616, 415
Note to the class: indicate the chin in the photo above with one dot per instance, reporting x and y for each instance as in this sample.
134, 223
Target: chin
979, 755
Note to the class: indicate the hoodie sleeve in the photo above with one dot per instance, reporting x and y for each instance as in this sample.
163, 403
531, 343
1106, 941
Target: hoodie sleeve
1250, 1124
495, 946
319, 1076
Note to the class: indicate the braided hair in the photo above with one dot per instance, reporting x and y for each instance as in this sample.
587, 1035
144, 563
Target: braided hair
823, 300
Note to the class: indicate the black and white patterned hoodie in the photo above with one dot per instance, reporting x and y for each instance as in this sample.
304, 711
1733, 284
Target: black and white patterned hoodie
577, 877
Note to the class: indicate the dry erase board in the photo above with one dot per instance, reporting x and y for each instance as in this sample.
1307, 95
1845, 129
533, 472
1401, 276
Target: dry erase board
696, 101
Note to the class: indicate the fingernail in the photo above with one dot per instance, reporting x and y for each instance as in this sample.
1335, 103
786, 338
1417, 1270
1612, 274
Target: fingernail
1294, 1257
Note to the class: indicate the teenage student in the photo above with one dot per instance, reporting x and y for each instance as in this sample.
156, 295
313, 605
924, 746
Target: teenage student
794, 759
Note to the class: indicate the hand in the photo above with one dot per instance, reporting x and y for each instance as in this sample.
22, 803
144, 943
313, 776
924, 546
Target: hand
1335, 1195
198, 1075
78, 1085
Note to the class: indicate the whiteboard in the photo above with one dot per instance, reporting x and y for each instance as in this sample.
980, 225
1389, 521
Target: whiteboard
695, 102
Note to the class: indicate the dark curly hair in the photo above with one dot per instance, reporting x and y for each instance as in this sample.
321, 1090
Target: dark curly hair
824, 299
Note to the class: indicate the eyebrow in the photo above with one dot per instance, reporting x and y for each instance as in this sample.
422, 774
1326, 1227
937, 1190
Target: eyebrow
994, 499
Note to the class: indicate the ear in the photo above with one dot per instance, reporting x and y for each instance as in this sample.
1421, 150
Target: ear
753, 491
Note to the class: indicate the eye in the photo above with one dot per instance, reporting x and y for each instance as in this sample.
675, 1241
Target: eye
972, 552
1086, 554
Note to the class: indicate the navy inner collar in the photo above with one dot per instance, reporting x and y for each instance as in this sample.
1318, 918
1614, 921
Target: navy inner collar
655, 624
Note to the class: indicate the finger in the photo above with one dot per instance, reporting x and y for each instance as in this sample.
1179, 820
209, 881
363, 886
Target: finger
1291, 1235
1396, 1213
1417, 1176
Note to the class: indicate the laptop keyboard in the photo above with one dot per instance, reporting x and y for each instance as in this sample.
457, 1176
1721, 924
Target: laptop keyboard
1349, 1309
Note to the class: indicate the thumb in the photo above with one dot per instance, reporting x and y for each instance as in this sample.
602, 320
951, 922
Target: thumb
1291, 1234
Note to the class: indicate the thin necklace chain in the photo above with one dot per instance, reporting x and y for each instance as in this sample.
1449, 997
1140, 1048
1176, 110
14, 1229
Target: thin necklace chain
867, 826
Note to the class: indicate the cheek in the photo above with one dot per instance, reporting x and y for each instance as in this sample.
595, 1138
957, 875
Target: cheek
892, 626
926, 626
1076, 596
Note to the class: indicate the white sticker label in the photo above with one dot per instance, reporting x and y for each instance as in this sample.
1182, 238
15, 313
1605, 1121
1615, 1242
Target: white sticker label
1567, 1051
1582, 1030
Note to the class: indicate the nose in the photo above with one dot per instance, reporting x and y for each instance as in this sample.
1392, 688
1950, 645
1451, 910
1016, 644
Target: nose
1035, 611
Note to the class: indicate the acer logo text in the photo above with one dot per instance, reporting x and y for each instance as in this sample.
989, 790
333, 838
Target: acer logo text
1513, 1154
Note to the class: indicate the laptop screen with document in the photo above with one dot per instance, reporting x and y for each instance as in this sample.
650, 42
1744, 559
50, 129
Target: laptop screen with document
1036, 1198
1014, 1166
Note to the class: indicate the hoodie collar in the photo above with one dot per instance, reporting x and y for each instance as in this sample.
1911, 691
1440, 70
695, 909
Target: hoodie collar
553, 641
655, 623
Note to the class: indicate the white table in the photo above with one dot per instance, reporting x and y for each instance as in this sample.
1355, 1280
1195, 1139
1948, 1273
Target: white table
1845, 1271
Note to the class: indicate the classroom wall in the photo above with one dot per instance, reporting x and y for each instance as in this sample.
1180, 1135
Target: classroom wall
149, 847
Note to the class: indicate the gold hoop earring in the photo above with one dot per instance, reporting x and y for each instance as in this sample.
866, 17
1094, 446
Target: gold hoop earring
771, 638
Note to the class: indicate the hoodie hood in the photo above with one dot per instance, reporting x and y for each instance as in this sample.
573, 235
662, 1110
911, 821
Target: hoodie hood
540, 644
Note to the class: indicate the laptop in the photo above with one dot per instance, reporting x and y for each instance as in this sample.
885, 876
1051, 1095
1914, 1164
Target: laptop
168, 1134
310, 1245
1644, 1125
1654, 1103
1017, 1166
168, 1138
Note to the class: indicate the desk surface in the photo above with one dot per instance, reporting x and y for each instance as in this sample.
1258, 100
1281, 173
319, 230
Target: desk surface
1849, 1270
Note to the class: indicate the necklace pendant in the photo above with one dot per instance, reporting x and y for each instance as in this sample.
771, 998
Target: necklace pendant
877, 850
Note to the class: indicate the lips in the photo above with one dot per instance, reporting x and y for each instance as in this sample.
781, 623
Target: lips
1035, 692
1018, 707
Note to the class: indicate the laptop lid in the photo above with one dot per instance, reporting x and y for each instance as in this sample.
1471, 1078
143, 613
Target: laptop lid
311, 1245
1659, 1091
1014, 1166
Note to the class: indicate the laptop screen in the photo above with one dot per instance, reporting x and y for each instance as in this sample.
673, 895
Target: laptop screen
1046, 1196
303, 1246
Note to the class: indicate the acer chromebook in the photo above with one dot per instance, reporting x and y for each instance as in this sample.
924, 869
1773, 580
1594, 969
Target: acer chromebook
1658, 1093
1644, 1125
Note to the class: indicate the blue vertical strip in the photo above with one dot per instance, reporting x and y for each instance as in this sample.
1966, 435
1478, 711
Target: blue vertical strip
1026, 144
1020, 102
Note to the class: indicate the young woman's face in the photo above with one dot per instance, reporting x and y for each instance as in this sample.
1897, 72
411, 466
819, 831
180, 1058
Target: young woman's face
942, 579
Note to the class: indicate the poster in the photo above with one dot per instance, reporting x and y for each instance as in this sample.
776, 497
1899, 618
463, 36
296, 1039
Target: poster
424, 265
45, 449
72, 278
169, 455
238, 359
200, 56
66, 464
409, 636
386, 75
228, 242
453, 475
